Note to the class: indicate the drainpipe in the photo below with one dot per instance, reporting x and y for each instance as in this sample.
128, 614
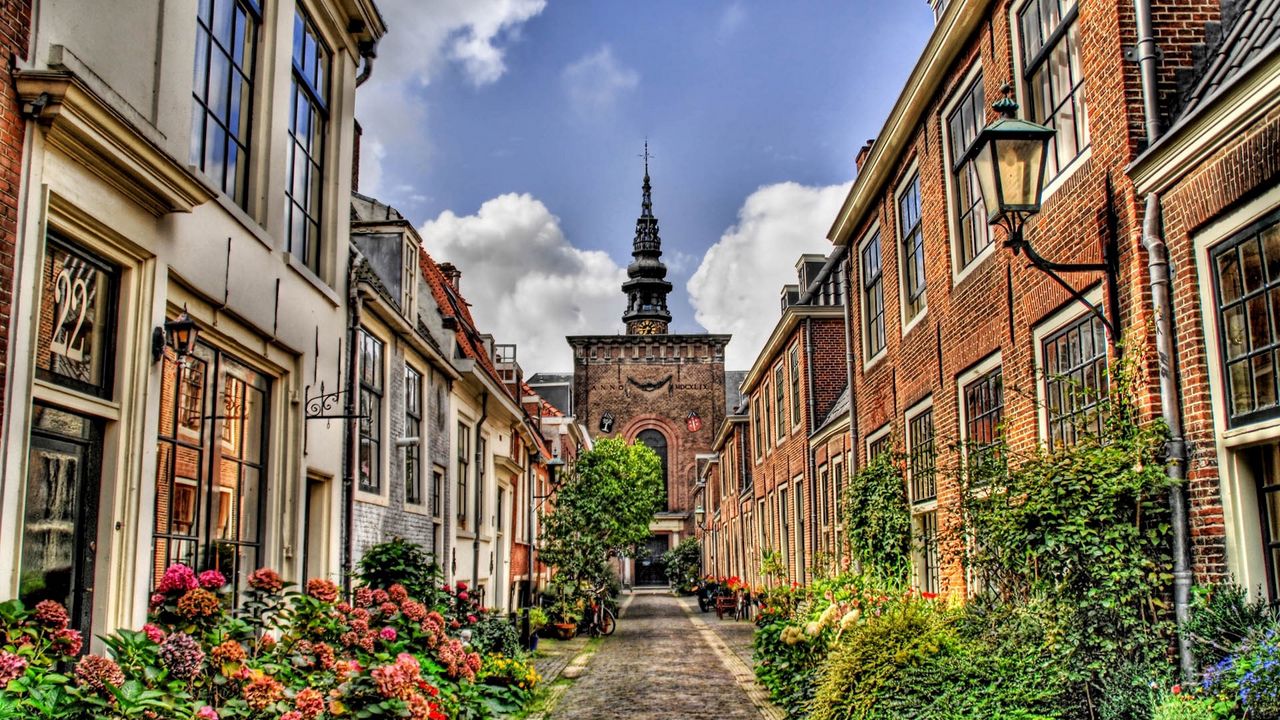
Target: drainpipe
813, 425
369, 51
479, 494
350, 446
852, 464
1166, 350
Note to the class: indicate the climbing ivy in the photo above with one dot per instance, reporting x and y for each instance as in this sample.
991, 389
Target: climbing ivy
878, 520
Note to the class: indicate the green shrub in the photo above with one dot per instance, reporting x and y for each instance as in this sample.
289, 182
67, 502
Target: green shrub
401, 562
866, 667
1189, 707
1223, 617
787, 663
683, 564
878, 519
494, 634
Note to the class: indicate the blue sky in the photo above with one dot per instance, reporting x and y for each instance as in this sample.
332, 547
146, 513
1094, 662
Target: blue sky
510, 130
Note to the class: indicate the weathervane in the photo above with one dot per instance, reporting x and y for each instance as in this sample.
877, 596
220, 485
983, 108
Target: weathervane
646, 156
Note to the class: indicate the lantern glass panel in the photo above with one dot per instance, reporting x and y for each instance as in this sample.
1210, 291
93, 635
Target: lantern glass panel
985, 167
1021, 167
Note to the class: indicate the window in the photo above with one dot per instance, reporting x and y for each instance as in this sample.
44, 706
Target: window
984, 407
1075, 380
1263, 463
657, 442
413, 429
370, 413
926, 524
911, 232
795, 384
872, 297
780, 401
308, 127
837, 472
222, 92
210, 481
464, 468
824, 482
1247, 281
973, 234
921, 457
1051, 67
878, 444
482, 460
784, 528
756, 432
75, 348
768, 415
437, 493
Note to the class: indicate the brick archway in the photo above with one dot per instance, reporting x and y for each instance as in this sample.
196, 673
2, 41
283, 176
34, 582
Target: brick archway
667, 429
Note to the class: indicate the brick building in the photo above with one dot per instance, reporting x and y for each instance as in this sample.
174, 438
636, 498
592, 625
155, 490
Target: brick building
402, 380
167, 177
15, 19
664, 390
1215, 173
770, 482
957, 342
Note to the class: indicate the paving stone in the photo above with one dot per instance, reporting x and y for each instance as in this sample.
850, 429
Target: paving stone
660, 666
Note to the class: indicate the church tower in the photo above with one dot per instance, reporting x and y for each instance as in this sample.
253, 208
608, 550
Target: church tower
647, 286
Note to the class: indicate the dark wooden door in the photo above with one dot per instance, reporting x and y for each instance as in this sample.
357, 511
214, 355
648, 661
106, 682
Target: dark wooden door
649, 569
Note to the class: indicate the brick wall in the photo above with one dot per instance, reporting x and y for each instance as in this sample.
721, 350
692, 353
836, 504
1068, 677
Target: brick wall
686, 373
996, 306
15, 31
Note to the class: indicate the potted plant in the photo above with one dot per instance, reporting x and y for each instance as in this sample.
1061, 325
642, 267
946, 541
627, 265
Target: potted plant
567, 613
537, 621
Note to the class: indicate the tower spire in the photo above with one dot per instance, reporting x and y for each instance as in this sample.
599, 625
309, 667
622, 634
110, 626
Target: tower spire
647, 287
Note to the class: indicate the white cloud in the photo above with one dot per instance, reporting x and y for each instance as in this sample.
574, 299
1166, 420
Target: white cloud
596, 81
527, 284
423, 38
731, 20
736, 288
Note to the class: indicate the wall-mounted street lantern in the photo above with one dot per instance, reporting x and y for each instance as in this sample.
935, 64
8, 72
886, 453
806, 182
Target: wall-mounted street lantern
180, 334
700, 514
1009, 158
553, 465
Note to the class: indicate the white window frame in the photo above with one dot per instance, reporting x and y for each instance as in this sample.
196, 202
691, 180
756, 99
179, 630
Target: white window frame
923, 508
1241, 516
959, 271
876, 436
797, 406
779, 412
1021, 93
868, 360
912, 173
963, 380
383, 497
1064, 316
423, 507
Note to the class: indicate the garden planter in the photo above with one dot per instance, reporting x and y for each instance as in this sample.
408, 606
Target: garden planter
565, 631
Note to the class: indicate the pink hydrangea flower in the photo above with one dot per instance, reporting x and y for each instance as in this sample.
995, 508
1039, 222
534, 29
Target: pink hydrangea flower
52, 615
212, 580
206, 713
178, 578
11, 667
153, 633
388, 634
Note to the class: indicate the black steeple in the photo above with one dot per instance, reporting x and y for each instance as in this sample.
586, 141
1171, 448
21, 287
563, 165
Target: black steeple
647, 287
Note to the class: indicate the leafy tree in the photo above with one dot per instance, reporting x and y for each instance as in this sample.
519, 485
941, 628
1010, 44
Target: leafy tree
684, 563
602, 510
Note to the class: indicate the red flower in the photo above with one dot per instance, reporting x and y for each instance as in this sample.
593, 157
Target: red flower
1176, 690
322, 590
266, 580
51, 615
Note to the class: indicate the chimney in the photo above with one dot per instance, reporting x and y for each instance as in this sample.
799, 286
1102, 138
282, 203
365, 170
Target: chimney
864, 153
452, 274
355, 159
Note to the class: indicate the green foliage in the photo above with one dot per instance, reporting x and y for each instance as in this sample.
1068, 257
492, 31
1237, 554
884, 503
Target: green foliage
683, 564
537, 619
494, 634
602, 510
1087, 527
401, 562
1222, 618
867, 666
787, 669
878, 519
1191, 707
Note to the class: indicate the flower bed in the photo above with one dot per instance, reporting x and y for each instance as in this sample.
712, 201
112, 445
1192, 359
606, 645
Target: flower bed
281, 655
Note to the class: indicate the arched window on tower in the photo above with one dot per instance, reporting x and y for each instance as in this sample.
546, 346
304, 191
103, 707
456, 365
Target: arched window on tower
657, 442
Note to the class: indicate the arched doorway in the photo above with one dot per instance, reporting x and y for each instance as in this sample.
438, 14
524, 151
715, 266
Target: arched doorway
649, 569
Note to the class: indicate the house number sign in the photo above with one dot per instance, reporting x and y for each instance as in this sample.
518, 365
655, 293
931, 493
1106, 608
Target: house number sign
75, 299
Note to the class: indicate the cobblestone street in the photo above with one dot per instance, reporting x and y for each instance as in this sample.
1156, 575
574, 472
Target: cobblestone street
667, 660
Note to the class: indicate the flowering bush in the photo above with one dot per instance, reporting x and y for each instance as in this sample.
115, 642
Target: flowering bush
282, 655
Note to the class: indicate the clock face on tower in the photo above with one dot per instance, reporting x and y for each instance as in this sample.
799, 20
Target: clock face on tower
648, 327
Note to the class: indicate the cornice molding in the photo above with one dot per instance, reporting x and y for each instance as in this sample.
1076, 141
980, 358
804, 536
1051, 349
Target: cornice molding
950, 38
1231, 112
82, 124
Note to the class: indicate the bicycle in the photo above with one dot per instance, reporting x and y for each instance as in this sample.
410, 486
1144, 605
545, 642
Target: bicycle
599, 620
